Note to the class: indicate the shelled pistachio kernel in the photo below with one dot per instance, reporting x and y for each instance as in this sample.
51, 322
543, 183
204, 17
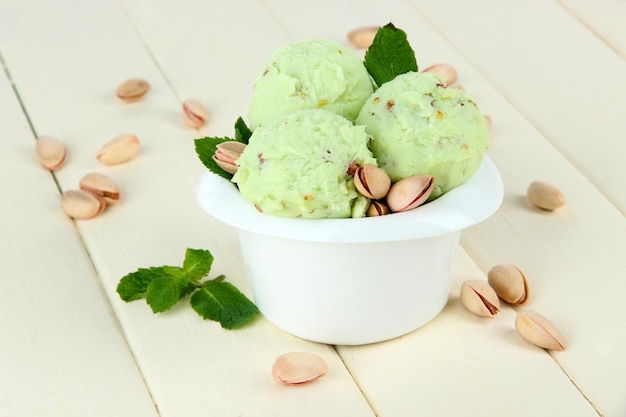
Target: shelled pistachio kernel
447, 71
100, 185
539, 330
295, 368
195, 113
363, 37
81, 204
509, 282
479, 298
132, 89
51, 152
546, 196
121, 148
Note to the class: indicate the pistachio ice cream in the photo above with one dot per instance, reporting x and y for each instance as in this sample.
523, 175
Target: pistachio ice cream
420, 126
310, 74
299, 165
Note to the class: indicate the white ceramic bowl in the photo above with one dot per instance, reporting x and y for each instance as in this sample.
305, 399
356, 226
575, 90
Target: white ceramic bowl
354, 281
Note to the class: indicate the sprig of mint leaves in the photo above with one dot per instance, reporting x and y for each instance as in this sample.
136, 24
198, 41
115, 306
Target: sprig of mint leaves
162, 287
389, 55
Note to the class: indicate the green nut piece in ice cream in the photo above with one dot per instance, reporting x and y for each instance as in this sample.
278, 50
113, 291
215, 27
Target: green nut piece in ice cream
420, 126
301, 165
310, 75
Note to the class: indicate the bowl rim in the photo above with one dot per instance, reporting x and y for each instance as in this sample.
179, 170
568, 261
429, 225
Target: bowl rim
464, 206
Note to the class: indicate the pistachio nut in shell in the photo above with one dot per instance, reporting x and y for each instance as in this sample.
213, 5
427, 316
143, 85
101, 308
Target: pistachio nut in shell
371, 181
100, 185
546, 196
362, 37
81, 204
446, 71
120, 149
51, 152
479, 298
377, 208
132, 89
509, 282
226, 153
539, 330
295, 368
409, 192
195, 113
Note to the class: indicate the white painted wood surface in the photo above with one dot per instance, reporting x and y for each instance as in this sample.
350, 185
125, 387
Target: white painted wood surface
96, 355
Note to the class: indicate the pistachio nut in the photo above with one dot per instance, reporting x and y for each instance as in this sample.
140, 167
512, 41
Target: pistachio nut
539, 330
295, 368
51, 152
132, 89
545, 195
447, 71
100, 185
363, 37
479, 298
195, 113
509, 282
377, 208
120, 149
409, 192
488, 122
227, 153
372, 181
80, 204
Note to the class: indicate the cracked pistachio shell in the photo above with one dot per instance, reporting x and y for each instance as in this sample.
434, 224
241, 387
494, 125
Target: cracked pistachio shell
51, 152
81, 204
546, 196
377, 208
362, 37
120, 149
100, 185
195, 113
539, 330
509, 282
296, 368
409, 192
227, 153
479, 298
446, 71
132, 89
372, 182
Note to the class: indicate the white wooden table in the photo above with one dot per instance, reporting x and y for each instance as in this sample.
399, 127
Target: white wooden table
552, 74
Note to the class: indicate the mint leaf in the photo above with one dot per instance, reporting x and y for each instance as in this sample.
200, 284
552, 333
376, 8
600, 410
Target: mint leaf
389, 55
205, 149
163, 293
223, 302
242, 131
197, 263
134, 285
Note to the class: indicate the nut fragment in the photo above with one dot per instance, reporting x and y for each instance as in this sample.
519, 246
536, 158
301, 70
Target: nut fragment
120, 149
296, 368
227, 153
80, 204
377, 208
545, 196
51, 152
509, 282
100, 185
363, 37
409, 192
479, 298
132, 89
538, 330
372, 181
447, 71
195, 113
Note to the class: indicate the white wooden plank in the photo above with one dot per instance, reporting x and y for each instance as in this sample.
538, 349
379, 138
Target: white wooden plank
191, 366
61, 349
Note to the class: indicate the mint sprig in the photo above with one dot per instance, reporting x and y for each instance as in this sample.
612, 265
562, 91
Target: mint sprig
389, 55
162, 287
206, 147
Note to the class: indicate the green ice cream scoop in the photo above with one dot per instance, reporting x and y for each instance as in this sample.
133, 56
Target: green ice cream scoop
299, 166
310, 74
420, 126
